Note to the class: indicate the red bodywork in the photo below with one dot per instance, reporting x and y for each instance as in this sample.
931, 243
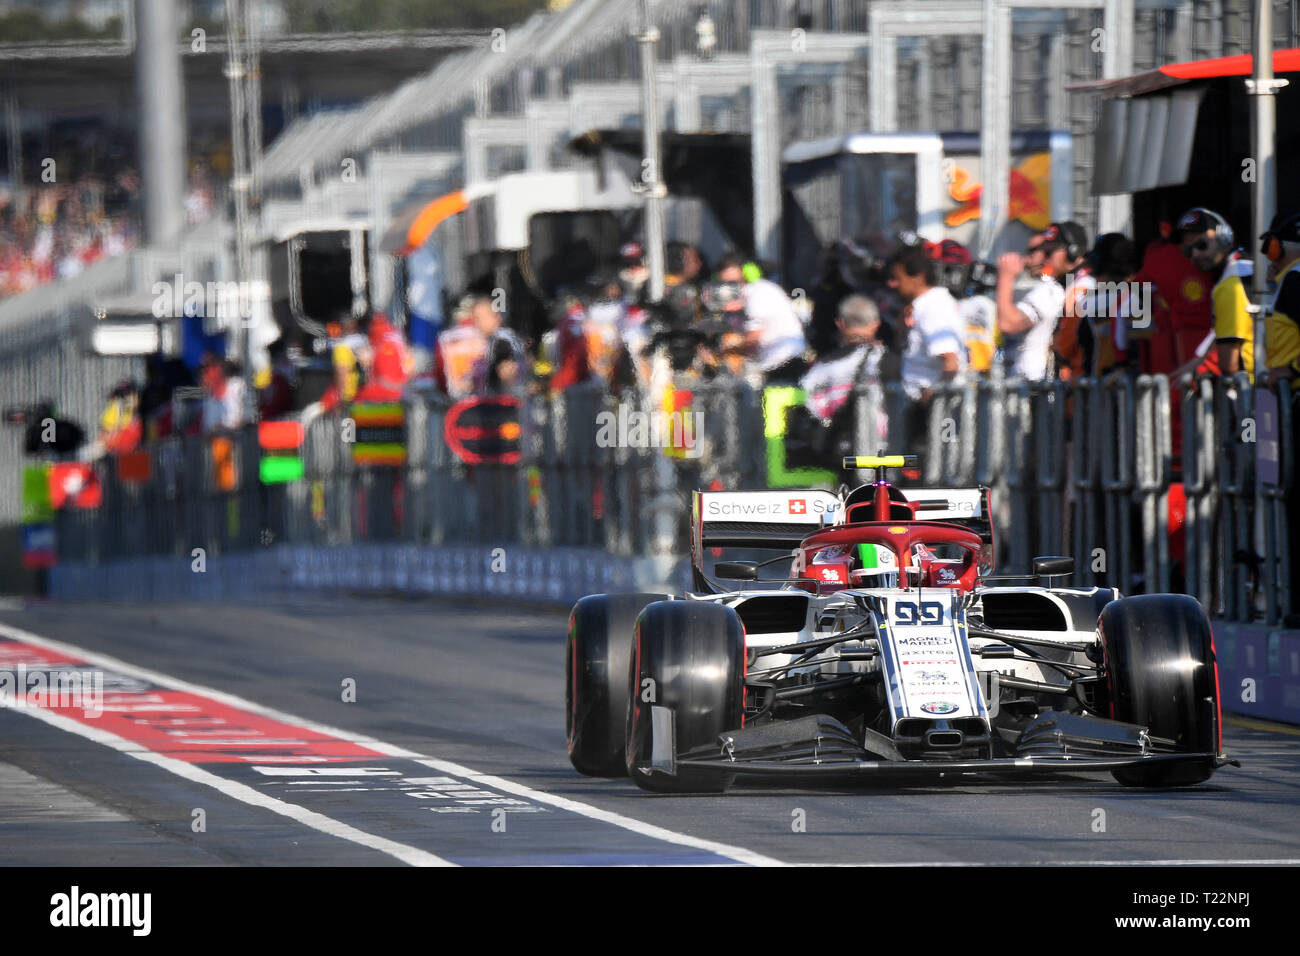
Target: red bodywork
901, 537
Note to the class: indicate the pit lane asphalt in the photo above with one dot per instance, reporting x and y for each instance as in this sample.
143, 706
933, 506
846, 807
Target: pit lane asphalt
483, 686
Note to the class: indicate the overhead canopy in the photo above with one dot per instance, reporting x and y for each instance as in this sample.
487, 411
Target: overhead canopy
1175, 74
1145, 142
1147, 130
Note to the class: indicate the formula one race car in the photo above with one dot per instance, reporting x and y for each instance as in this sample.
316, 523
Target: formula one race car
884, 649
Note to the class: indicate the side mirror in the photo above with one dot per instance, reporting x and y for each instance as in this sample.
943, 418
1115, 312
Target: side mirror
736, 570
1053, 564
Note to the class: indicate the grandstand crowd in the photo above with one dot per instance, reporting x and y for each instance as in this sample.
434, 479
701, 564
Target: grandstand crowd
80, 203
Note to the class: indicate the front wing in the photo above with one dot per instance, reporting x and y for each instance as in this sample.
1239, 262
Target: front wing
1018, 766
820, 746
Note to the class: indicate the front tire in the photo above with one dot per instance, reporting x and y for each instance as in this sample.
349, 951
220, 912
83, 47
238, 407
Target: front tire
689, 657
595, 686
1160, 673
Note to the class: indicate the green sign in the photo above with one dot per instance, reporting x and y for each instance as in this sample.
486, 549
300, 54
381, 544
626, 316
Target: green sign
776, 400
280, 469
36, 507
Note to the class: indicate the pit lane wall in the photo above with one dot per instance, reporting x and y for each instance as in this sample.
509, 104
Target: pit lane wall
557, 576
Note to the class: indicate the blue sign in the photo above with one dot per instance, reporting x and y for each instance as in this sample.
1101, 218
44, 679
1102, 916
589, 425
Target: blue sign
38, 546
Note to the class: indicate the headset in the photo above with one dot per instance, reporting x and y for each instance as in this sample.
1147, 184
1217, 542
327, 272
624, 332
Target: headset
1273, 249
1056, 234
1076, 240
1223, 234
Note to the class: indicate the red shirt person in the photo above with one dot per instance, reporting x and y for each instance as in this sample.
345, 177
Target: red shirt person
1181, 314
391, 364
571, 351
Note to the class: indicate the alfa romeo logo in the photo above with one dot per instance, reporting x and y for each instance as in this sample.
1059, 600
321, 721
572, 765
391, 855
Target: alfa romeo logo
939, 707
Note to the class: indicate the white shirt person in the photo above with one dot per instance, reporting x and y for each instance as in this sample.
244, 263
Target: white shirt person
1028, 321
935, 347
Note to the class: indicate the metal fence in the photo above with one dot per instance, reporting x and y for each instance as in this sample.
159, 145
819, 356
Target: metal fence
1087, 469
570, 488
52, 367
1090, 470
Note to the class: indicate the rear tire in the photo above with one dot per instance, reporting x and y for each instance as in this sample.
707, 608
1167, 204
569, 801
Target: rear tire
595, 686
1160, 673
692, 654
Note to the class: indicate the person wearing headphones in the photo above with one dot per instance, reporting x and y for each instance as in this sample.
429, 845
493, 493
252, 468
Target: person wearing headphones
1086, 322
1282, 328
1282, 352
1210, 243
1028, 322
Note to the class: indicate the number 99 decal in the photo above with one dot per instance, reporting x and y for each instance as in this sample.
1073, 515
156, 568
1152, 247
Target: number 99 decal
909, 613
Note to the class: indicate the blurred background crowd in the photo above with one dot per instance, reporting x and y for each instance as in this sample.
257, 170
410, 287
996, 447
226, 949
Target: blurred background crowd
913, 312
417, 206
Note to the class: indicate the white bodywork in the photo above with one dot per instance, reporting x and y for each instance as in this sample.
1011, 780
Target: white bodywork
931, 668
934, 659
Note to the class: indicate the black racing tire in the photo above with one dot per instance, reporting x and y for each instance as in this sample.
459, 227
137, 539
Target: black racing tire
1148, 642
688, 656
598, 652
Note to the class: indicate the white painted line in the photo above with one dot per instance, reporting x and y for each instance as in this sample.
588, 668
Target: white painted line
738, 854
241, 792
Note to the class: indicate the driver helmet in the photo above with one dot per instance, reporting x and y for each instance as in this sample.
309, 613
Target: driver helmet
875, 567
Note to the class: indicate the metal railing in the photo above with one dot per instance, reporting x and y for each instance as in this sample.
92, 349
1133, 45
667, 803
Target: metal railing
1085, 469
1089, 469
569, 489
1277, 493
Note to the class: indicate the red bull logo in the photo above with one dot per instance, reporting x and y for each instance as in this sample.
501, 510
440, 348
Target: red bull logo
1029, 193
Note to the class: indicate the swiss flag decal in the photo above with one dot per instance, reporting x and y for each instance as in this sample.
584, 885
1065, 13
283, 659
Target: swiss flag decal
797, 506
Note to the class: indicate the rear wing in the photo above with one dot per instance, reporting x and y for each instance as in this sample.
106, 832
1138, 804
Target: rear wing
758, 519
782, 519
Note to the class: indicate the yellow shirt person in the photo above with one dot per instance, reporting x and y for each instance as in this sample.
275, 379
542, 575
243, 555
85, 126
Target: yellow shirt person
1282, 328
1234, 327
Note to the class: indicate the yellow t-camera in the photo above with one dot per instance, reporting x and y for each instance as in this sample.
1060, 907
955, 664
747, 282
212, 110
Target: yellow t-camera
880, 461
